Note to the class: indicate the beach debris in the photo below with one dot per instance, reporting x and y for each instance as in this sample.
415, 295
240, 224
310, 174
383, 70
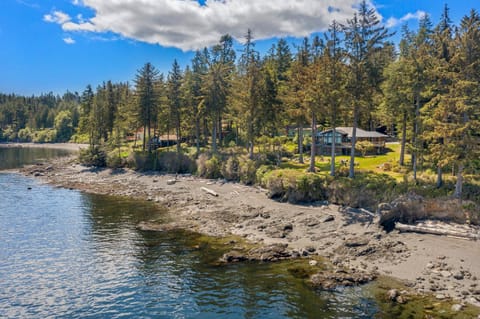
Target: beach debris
209, 191
439, 228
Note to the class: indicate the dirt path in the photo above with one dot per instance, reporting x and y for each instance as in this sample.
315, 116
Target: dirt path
447, 267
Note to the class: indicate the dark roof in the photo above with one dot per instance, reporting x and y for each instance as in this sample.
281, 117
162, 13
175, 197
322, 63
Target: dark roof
360, 133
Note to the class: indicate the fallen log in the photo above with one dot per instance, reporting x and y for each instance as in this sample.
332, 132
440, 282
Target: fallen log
209, 191
425, 229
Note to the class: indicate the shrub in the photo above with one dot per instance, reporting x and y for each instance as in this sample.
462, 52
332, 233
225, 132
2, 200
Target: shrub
173, 162
294, 186
114, 160
209, 167
365, 190
201, 166
24, 135
261, 172
45, 136
213, 167
140, 160
247, 170
9, 134
93, 156
364, 147
80, 138
231, 169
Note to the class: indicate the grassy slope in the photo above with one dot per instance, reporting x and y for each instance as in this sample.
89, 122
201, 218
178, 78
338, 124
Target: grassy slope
371, 163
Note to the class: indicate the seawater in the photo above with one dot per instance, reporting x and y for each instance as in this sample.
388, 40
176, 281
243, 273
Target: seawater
67, 254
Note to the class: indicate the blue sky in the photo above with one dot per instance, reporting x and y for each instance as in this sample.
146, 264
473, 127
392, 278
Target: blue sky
59, 45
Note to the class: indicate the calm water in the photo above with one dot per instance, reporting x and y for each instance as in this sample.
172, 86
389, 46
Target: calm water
13, 157
65, 254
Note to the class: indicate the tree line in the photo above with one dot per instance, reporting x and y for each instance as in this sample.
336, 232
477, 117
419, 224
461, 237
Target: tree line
427, 93
44, 118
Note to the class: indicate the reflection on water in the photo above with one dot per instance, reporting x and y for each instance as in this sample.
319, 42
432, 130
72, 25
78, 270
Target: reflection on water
14, 157
65, 254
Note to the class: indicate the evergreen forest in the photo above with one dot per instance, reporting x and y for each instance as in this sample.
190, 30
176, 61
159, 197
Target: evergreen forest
250, 117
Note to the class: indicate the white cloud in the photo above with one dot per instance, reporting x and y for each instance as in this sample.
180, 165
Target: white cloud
393, 22
68, 40
57, 17
187, 25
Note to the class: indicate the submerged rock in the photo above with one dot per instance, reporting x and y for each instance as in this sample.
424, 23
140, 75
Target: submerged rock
233, 257
341, 278
269, 253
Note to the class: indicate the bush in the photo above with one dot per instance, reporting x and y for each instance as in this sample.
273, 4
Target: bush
80, 138
294, 186
24, 135
9, 134
93, 156
201, 166
114, 160
231, 169
173, 162
141, 161
365, 190
261, 172
213, 167
209, 167
247, 170
45, 136
364, 147
168, 162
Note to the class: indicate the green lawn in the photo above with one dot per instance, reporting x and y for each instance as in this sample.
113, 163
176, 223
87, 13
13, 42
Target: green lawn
374, 163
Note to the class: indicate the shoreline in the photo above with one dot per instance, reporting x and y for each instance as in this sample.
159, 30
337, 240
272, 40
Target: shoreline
443, 266
63, 146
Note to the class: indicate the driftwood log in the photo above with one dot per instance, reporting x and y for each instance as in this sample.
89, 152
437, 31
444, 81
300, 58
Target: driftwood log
437, 228
210, 191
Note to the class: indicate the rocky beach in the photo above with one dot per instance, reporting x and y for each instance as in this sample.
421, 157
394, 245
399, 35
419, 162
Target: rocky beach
351, 239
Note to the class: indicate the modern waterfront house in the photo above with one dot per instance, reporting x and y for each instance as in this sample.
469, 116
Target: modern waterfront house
343, 140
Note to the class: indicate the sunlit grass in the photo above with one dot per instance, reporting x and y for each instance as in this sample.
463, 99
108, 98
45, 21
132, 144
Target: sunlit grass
370, 163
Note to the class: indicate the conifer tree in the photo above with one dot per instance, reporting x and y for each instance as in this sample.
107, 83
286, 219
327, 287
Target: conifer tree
363, 37
454, 112
248, 89
146, 99
174, 83
334, 82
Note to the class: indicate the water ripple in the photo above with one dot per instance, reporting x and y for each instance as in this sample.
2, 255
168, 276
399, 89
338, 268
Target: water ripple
64, 254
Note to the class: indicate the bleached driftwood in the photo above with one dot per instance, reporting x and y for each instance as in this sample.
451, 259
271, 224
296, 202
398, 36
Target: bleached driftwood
209, 191
459, 231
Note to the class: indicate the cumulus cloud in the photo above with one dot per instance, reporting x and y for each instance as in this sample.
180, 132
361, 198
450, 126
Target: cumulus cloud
187, 25
68, 40
57, 17
393, 22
